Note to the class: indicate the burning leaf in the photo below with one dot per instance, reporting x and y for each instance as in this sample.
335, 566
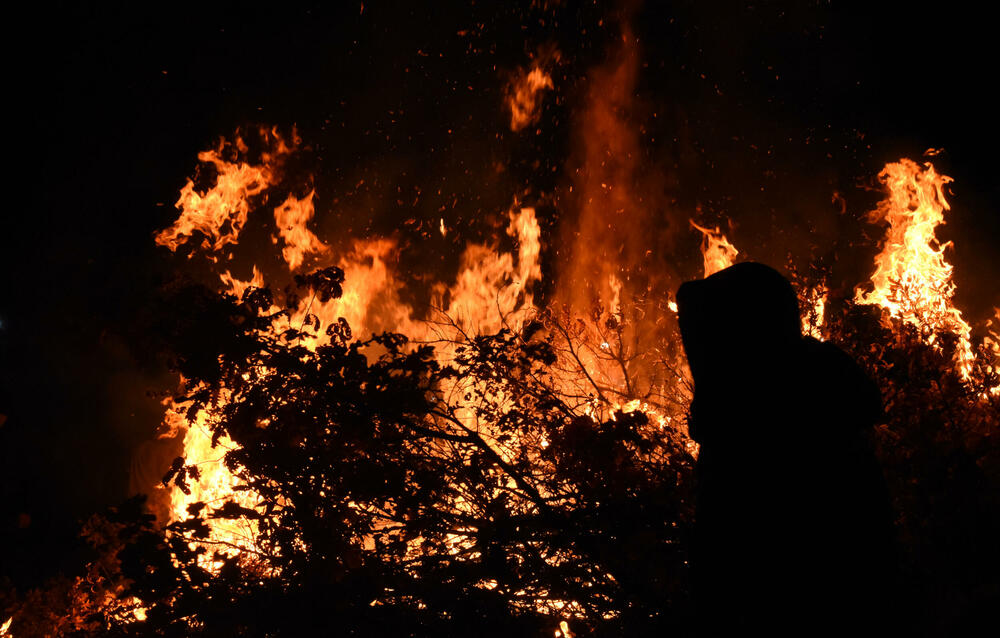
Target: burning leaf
327, 283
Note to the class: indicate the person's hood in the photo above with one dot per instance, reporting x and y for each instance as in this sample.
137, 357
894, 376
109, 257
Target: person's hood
736, 318
754, 373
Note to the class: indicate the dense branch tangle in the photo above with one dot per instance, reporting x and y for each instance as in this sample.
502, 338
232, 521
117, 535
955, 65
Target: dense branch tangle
492, 461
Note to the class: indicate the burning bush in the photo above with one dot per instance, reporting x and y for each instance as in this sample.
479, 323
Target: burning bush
394, 494
427, 499
506, 467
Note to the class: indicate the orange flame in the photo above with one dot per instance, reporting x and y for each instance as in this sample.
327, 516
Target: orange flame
524, 98
221, 212
495, 289
492, 289
291, 218
716, 251
992, 344
912, 280
814, 301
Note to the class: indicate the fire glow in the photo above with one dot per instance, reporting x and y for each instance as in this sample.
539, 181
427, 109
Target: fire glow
912, 280
407, 327
494, 288
524, 99
602, 355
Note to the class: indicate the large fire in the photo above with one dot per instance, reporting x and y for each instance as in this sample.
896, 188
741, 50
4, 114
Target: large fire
912, 281
493, 289
615, 352
604, 304
496, 288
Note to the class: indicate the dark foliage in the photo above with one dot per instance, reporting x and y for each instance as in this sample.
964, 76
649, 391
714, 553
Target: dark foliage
940, 454
398, 495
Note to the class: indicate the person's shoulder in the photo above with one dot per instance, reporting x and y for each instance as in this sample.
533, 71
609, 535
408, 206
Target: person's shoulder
830, 358
840, 375
819, 348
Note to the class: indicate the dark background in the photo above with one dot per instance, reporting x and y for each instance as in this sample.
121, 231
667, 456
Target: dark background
111, 105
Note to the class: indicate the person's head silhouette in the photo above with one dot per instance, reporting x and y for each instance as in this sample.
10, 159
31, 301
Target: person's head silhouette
737, 320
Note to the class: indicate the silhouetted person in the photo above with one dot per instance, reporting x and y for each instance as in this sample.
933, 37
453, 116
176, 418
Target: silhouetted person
793, 527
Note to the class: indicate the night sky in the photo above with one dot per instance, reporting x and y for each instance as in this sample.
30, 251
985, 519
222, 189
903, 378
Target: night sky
112, 105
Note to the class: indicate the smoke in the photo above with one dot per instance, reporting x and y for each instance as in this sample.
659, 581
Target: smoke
620, 223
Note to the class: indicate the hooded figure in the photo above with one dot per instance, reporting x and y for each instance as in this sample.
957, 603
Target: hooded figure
793, 526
